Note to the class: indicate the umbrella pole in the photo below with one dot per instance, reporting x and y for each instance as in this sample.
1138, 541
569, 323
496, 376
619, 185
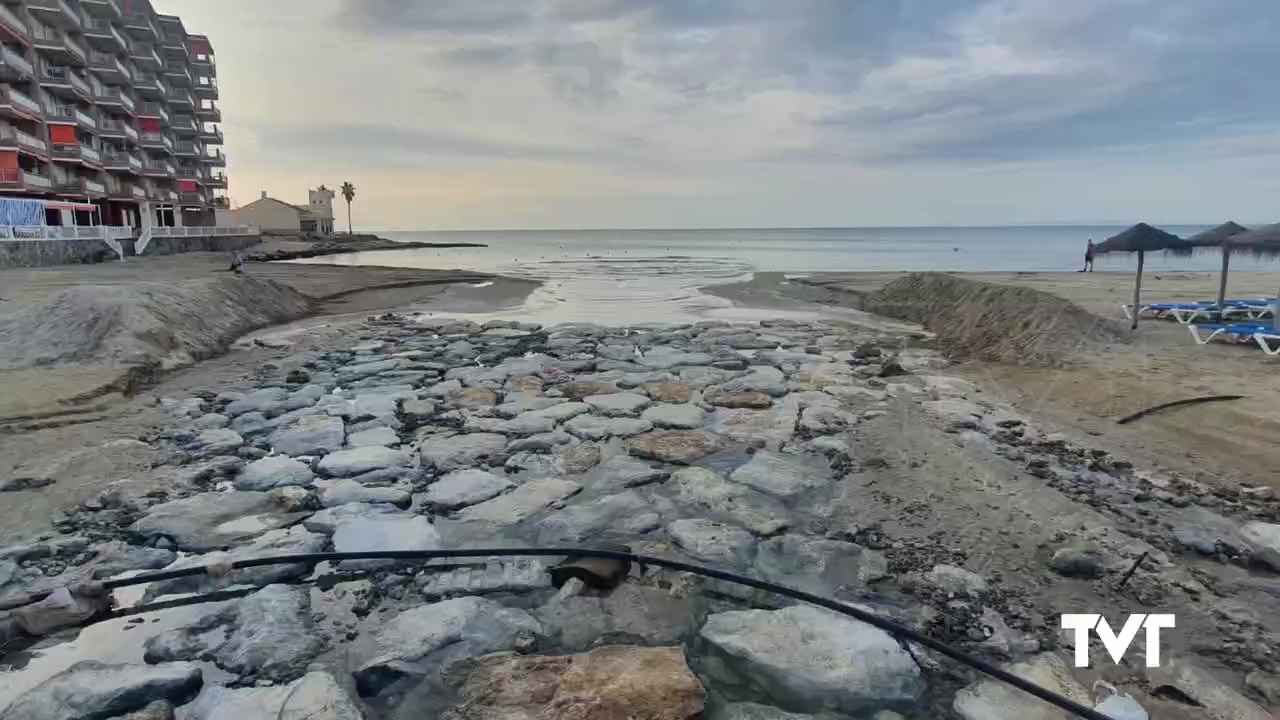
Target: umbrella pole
1221, 282
1137, 291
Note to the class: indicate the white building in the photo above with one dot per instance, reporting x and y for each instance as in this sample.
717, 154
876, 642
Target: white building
272, 215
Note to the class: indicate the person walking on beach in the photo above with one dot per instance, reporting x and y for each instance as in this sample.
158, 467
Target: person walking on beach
1088, 257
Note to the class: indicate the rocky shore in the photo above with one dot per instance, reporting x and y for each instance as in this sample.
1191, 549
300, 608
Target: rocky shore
821, 456
338, 245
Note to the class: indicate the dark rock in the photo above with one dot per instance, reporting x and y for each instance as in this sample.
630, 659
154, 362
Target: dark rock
92, 690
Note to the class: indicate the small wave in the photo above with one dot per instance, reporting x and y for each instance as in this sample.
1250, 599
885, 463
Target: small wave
484, 284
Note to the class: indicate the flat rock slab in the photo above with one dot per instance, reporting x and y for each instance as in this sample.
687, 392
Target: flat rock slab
818, 564
681, 447
360, 460
211, 521
995, 700
713, 542
310, 435
383, 436
562, 411
663, 358
314, 696
528, 499
770, 428
669, 392
92, 689
781, 475
738, 400
803, 657
462, 488
1265, 539
472, 397
710, 494
463, 451
326, 521
295, 540
617, 404
675, 417
383, 532
529, 423
594, 427
580, 458
623, 471
265, 400
419, 640
608, 683
762, 379
589, 519
269, 634
631, 613
273, 472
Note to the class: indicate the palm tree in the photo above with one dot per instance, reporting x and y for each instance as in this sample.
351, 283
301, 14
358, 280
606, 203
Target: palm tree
349, 194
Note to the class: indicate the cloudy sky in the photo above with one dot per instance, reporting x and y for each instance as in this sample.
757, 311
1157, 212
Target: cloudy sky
753, 113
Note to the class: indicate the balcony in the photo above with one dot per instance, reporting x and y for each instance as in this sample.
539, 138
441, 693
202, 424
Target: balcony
58, 46
178, 73
155, 110
12, 136
63, 81
178, 96
18, 179
115, 97
157, 141
153, 168
122, 161
17, 104
211, 137
220, 203
184, 124
137, 192
216, 159
202, 65
109, 9
208, 112
187, 149
102, 34
12, 25
144, 53
215, 180
90, 155
85, 120
110, 68
206, 87
150, 86
57, 13
141, 26
14, 66
93, 187
59, 113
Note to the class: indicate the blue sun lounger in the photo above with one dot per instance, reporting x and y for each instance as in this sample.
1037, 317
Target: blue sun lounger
1186, 313
1204, 333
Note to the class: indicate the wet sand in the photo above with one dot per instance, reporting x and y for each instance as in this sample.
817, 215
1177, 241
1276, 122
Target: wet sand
1231, 442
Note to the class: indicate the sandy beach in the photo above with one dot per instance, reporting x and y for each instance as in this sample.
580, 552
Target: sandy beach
1228, 442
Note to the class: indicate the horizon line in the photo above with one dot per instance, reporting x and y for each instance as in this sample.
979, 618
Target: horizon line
799, 227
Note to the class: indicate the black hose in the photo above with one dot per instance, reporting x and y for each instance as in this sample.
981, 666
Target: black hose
1176, 403
899, 631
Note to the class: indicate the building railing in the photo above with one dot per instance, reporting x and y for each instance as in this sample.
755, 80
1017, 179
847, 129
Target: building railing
36, 180
99, 26
18, 137
142, 21
85, 119
11, 19
14, 60
168, 232
183, 122
115, 94
91, 154
23, 102
154, 109
65, 232
65, 75
95, 187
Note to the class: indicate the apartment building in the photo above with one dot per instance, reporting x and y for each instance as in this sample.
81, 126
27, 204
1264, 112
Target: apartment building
109, 105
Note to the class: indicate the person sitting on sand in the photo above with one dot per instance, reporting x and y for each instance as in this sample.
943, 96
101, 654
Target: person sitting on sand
1088, 257
237, 263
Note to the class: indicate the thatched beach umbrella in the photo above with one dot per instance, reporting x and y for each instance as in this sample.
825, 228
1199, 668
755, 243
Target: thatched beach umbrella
1218, 237
1142, 239
1264, 242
